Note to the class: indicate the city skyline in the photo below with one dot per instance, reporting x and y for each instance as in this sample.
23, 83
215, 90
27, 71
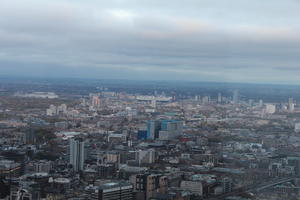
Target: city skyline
135, 140
228, 41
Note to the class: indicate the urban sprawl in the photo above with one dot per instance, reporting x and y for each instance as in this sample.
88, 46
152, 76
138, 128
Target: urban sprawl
112, 145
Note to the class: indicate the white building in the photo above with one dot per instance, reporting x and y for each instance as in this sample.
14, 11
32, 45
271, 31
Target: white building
146, 156
195, 187
62, 108
52, 110
56, 110
297, 127
291, 107
270, 108
206, 100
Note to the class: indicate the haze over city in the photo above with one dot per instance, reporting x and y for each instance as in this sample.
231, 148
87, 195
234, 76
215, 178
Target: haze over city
197, 40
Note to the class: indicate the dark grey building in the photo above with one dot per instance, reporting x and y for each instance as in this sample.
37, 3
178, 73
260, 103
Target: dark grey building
116, 191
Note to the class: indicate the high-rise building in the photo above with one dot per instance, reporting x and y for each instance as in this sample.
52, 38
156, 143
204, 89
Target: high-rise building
235, 98
164, 129
153, 128
29, 137
56, 110
116, 191
206, 100
197, 98
77, 153
219, 98
170, 129
291, 105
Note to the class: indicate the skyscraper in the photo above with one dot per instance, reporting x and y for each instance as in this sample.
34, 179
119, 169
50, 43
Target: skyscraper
77, 153
291, 105
235, 97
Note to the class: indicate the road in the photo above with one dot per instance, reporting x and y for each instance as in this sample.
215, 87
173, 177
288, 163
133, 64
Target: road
252, 188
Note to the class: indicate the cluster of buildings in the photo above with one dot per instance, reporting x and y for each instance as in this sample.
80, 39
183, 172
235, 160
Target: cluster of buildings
119, 146
56, 110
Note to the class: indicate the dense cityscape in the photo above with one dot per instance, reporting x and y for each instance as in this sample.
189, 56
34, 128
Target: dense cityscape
112, 141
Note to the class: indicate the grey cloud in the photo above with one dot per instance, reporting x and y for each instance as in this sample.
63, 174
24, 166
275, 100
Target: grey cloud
219, 41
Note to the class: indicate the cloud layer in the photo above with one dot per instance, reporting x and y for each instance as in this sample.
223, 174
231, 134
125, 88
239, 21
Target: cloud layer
200, 40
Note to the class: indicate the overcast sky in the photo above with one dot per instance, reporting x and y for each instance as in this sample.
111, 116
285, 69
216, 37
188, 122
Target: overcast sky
197, 40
